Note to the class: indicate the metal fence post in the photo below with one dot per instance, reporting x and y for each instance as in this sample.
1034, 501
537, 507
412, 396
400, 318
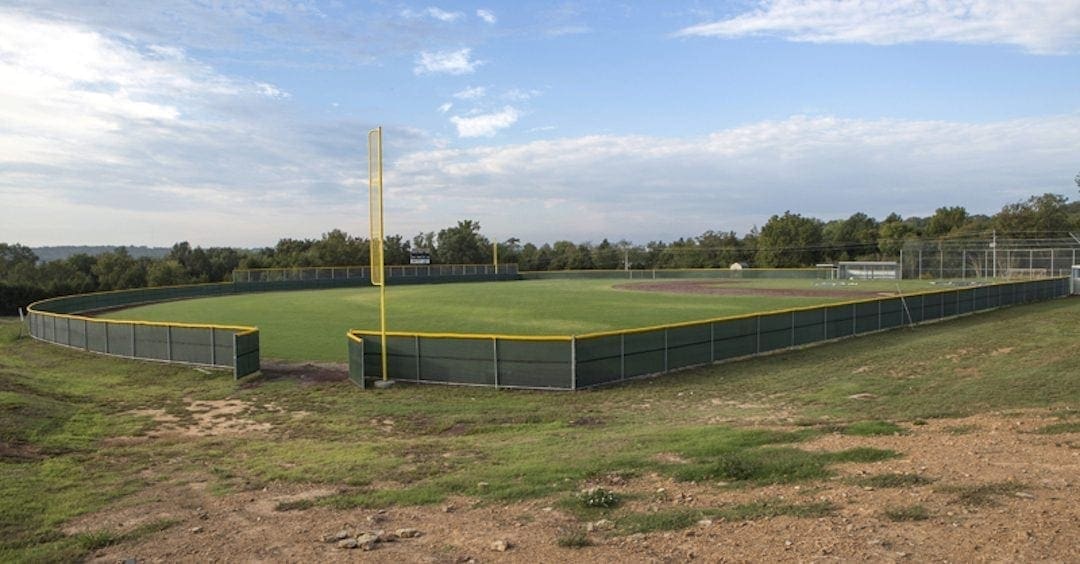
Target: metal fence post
133, 340
825, 322
495, 356
86, 334
213, 347
622, 356
168, 344
107, 337
793, 328
712, 342
665, 350
757, 333
416, 345
573, 363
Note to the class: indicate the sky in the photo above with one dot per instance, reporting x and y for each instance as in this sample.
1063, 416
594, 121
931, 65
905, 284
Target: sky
243, 122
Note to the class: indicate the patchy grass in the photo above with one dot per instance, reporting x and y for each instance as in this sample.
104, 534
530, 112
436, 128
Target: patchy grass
575, 538
892, 481
981, 494
673, 520
907, 513
1059, 428
960, 429
872, 429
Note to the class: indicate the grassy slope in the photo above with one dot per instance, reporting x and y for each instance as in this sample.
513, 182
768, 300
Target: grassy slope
310, 325
57, 405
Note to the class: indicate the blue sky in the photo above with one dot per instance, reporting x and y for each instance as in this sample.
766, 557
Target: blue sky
238, 123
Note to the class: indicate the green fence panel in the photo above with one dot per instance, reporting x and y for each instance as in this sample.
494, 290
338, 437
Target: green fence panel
248, 359
932, 306
689, 346
191, 344
839, 321
774, 331
644, 353
867, 316
734, 338
356, 362
95, 337
809, 326
535, 364
152, 341
223, 347
892, 313
599, 360
980, 298
77, 333
461, 361
121, 339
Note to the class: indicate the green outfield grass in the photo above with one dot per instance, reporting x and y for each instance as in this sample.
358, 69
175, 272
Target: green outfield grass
310, 325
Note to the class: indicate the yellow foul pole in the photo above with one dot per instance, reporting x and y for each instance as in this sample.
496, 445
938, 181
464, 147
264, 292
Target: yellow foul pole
375, 210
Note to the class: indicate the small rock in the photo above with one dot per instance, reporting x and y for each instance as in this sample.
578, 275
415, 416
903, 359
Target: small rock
341, 535
376, 518
130, 561
196, 529
482, 484
1024, 495
407, 533
705, 522
501, 545
367, 541
448, 508
386, 536
347, 543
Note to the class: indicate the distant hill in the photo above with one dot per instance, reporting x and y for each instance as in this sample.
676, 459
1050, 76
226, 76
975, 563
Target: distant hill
46, 254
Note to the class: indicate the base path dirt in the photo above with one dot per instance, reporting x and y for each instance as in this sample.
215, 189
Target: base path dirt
1031, 514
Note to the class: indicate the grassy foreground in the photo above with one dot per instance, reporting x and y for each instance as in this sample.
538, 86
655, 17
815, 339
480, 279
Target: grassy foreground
310, 325
67, 424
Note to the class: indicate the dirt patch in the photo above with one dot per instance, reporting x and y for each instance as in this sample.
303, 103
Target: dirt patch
1035, 519
306, 373
206, 419
732, 288
18, 452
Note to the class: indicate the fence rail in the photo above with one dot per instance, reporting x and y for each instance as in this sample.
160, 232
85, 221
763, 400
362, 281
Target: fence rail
424, 272
584, 361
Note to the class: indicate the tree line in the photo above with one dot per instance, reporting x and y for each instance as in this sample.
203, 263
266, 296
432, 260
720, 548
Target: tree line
785, 240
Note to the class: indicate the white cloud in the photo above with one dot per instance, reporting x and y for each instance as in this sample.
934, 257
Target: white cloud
485, 125
471, 93
443, 108
1037, 26
645, 187
97, 133
519, 95
487, 15
433, 13
446, 62
571, 29
271, 91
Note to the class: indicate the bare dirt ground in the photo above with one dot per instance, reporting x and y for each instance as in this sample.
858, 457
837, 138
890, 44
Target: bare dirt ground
733, 288
1037, 519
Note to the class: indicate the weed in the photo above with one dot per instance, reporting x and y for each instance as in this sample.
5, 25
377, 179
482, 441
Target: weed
892, 481
599, 497
575, 538
872, 429
1060, 428
982, 494
907, 513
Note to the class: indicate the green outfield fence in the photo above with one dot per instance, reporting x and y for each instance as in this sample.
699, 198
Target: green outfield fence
60, 321
270, 279
645, 274
64, 320
595, 359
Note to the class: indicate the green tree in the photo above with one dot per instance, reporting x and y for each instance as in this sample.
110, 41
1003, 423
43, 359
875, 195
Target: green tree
166, 272
606, 256
1038, 216
790, 240
462, 244
946, 220
118, 271
17, 263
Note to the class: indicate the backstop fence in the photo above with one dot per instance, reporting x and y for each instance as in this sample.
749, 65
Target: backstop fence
63, 321
595, 359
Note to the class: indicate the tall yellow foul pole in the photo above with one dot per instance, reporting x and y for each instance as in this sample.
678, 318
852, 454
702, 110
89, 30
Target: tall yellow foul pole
495, 253
375, 210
